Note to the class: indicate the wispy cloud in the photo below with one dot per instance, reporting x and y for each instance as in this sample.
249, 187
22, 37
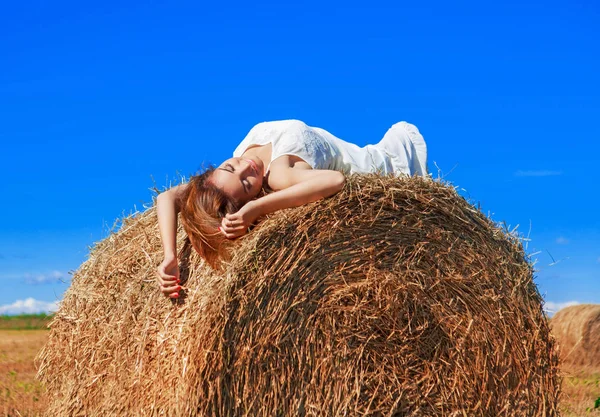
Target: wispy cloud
550, 307
561, 240
29, 306
53, 277
537, 173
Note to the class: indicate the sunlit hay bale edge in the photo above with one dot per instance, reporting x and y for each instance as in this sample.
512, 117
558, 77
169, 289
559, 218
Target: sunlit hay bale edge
577, 331
394, 297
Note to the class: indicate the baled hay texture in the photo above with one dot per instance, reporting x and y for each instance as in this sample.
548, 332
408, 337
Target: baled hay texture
577, 331
395, 297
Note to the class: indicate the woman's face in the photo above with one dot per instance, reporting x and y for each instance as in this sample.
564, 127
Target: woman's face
239, 178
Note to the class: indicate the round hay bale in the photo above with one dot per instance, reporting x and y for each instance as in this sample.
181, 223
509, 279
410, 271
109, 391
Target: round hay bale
395, 297
577, 331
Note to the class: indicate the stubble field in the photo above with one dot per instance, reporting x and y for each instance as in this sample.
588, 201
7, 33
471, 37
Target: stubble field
20, 393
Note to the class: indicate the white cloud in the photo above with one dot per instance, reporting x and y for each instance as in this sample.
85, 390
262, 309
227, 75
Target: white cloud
29, 306
53, 277
551, 307
538, 173
561, 240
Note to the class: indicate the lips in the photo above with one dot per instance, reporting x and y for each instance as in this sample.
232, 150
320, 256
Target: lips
253, 165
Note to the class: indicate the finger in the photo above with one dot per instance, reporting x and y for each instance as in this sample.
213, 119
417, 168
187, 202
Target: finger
169, 286
227, 232
233, 229
230, 235
174, 295
169, 289
230, 223
234, 235
163, 274
167, 279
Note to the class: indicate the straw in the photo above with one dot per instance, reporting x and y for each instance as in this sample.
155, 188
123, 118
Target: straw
395, 297
577, 331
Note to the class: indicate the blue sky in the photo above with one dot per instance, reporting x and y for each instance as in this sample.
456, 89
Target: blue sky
100, 101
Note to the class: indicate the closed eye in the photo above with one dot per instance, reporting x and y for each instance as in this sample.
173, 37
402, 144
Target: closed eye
228, 168
245, 184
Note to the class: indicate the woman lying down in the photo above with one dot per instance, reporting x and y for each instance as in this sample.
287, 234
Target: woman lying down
298, 163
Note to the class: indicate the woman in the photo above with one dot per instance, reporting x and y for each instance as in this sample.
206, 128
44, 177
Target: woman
299, 163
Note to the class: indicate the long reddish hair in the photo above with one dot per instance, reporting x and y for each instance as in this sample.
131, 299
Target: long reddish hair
202, 207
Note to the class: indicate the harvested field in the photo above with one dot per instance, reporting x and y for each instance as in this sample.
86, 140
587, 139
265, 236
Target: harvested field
580, 392
577, 331
395, 298
20, 393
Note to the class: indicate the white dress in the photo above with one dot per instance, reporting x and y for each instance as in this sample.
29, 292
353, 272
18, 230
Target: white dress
401, 151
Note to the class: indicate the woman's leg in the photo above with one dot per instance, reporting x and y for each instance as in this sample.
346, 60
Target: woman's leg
406, 146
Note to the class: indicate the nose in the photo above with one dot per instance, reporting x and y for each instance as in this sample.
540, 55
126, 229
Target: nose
245, 167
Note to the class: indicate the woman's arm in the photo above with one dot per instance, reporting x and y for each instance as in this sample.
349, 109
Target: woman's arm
296, 187
167, 208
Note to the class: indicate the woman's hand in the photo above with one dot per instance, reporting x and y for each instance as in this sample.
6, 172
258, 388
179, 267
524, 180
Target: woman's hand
168, 277
236, 224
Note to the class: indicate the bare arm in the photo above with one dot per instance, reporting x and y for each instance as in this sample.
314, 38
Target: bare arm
298, 187
167, 208
295, 187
